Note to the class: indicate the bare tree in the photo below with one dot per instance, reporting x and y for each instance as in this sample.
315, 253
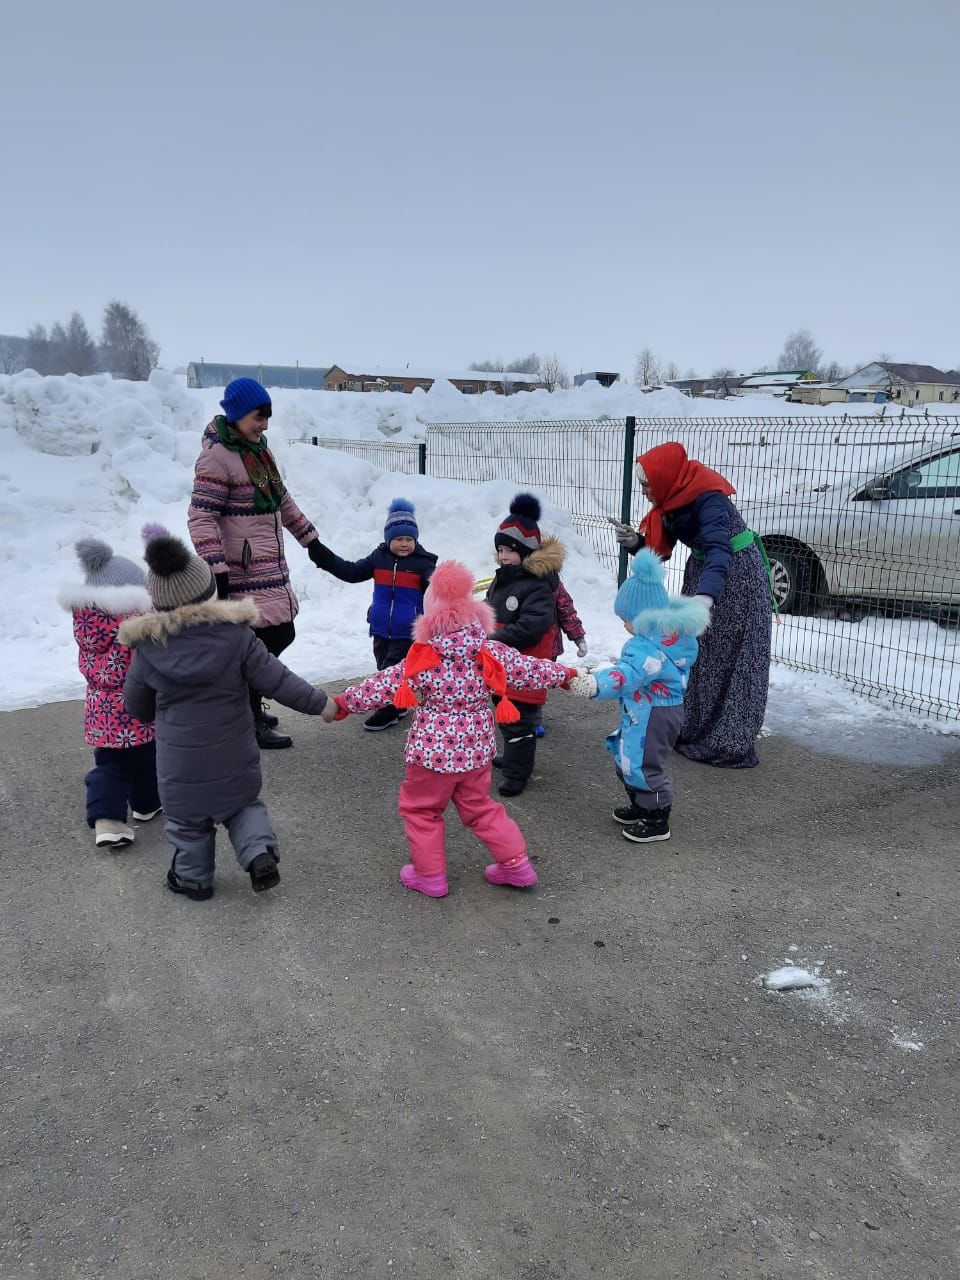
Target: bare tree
833, 372
670, 371
647, 371
800, 352
12, 354
486, 366
126, 350
691, 373
552, 373
884, 358
723, 376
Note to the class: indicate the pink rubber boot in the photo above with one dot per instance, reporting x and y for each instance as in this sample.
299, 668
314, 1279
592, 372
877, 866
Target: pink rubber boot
518, 872
432, 886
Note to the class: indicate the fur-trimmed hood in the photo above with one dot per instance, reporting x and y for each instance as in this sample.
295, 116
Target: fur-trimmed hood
681, 615
159, 627
548, 558
115, 601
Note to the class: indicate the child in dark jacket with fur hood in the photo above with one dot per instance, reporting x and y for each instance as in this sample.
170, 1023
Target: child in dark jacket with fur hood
649, 681
401, 570
196, 660
521, 596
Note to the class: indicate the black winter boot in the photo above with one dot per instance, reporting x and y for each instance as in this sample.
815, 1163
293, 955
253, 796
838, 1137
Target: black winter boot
627, 813
383, 718
269, 740
264, 873
189, 888
263, 716
654, 825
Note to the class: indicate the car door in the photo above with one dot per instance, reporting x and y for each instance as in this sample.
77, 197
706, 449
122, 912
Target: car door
901, 535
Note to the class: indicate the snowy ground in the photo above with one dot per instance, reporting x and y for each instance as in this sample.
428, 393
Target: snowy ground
92, 455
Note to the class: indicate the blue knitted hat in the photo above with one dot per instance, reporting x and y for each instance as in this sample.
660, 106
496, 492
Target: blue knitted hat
643, 588
242, 396
401, 522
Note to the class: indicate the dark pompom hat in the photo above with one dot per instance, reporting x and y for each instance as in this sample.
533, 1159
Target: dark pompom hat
175, 575
520, 530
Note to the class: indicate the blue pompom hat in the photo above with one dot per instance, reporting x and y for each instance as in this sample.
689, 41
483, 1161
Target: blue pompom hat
401, 522
242, 396
643, 587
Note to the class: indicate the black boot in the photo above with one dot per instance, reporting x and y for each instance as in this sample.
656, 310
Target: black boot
627, 813
264, 873
269, 740
189, 888
263, 716
383, 718
654, 825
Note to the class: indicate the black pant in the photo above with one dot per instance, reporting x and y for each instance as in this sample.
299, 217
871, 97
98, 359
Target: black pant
122, 776
276, 639
520, 741
388, 652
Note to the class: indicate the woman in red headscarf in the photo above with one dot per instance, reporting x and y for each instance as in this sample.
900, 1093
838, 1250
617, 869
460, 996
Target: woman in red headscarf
726, 698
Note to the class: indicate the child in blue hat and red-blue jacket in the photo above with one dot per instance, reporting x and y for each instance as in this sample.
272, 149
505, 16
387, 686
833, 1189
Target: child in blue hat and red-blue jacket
400, 569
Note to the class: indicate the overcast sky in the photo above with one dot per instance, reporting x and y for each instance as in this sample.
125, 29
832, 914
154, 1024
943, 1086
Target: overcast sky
432, 181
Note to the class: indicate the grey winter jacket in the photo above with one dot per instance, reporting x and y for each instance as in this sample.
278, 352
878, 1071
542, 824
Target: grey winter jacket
190, 673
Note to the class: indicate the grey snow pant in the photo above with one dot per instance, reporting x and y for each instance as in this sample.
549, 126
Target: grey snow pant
194, 842
663, 729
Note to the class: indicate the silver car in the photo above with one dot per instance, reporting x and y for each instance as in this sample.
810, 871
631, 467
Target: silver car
887, 537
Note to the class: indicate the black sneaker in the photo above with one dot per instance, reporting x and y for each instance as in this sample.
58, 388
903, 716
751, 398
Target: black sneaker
269, 740
654, 825
628, 813
384, 718
189, 888
264, 873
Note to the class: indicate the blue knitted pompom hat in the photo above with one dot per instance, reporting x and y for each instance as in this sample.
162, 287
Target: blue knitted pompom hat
401, 522
242, 396
643, 588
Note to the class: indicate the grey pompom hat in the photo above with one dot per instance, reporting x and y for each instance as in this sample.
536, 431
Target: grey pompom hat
175, 575
101, 568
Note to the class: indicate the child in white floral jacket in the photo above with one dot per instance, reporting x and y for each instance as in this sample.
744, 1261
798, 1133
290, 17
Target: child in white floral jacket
453, 667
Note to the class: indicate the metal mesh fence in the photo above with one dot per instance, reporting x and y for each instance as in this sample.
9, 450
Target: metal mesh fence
860, 517
391, 455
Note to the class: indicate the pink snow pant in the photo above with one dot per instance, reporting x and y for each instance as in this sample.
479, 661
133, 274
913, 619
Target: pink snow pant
424, 795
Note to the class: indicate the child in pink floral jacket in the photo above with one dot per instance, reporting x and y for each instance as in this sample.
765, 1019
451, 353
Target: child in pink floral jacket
124, 750
453, 668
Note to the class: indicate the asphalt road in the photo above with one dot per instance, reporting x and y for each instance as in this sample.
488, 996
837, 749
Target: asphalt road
341, 1078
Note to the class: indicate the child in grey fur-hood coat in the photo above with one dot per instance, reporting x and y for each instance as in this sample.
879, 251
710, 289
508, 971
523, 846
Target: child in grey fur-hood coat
195, 661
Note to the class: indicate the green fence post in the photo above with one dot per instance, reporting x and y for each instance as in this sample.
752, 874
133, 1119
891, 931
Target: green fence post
629, 437
422, 458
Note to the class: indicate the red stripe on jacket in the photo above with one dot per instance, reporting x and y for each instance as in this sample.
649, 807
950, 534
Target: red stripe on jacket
402, 578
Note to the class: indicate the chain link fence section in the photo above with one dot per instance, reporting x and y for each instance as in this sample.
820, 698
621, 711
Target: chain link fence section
576, 464
396, 455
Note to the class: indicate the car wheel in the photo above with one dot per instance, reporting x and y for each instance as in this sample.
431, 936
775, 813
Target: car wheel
794, 579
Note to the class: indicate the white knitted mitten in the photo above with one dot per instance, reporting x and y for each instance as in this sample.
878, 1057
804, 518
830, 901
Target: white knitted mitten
583, 686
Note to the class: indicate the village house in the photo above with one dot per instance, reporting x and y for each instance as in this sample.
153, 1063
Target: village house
885, 382
473, 382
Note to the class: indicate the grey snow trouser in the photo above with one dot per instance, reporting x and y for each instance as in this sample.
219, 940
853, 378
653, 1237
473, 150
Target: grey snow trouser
663, 729
194, 841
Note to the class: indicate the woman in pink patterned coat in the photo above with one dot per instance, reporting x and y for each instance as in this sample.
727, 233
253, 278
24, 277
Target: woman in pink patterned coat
124, 751
239, 510
452, 669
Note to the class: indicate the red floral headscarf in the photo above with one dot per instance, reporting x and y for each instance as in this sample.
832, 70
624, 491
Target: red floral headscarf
675, 481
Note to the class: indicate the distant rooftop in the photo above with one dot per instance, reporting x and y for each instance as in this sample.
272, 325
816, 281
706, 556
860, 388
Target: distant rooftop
388, 372
204, 373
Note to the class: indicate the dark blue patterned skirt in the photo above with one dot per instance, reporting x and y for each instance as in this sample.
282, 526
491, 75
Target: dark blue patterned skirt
726, 698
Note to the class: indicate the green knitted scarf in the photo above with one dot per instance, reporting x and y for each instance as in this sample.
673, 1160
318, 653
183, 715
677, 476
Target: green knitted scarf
268, 488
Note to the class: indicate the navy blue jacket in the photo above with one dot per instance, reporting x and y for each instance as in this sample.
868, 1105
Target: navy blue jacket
398, 585
707, 524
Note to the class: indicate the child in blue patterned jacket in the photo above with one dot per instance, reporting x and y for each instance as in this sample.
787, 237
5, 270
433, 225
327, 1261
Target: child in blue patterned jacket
649, 679
400, 569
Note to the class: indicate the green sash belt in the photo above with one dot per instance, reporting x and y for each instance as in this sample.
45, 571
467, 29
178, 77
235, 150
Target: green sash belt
740, 542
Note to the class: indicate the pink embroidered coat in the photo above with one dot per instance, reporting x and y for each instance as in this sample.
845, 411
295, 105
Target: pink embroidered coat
104, 661
453, 728
229, 533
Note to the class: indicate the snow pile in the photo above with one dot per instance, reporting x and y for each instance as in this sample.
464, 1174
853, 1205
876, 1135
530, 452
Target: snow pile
791, 977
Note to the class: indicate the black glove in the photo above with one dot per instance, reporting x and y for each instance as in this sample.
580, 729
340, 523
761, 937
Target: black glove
317, 552
223, 585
